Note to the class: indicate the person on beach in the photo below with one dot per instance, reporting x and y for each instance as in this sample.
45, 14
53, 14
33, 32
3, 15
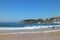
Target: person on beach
53, 27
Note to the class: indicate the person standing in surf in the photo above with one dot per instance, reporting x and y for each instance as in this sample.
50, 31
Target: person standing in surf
53, 27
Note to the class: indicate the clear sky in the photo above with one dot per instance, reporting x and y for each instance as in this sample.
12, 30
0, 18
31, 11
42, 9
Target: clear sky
15, 10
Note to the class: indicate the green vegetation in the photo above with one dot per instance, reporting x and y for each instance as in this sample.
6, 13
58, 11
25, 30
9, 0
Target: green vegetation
47, 20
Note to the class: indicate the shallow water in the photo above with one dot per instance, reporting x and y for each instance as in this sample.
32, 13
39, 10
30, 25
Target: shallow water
17, 27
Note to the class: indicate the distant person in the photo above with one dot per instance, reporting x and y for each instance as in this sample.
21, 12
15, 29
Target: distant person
53, 27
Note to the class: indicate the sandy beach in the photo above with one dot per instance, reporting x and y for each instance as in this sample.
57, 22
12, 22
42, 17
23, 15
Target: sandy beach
32, 36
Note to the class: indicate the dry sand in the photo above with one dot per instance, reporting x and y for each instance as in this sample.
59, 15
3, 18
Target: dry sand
32, 36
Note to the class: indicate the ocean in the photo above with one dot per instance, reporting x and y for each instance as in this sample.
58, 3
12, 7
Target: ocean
18, 27
27, 25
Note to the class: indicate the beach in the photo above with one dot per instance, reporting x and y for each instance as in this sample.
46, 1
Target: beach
30, 33
47, 35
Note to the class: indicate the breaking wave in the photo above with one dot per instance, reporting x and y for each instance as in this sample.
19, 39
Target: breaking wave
26, 27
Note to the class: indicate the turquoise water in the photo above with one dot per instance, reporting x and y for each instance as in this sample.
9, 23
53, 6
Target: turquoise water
16, 25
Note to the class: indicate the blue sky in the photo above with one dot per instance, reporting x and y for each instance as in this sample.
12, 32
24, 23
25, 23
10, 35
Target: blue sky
15, 10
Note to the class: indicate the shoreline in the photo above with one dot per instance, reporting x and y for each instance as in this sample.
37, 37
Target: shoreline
35, 32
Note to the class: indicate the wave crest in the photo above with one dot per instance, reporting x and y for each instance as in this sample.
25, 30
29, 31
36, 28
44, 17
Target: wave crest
26, 27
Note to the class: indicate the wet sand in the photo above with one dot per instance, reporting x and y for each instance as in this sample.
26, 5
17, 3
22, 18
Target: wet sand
32, 36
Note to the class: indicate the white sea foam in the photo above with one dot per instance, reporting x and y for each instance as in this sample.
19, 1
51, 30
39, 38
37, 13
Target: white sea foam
26, 27
30, 27
57, 25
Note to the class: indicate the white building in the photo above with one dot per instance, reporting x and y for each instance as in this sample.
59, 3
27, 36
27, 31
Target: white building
57, 21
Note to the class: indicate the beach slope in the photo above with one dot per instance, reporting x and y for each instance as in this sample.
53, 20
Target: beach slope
32, 36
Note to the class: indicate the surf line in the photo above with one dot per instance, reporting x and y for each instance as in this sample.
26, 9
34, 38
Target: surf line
29, 32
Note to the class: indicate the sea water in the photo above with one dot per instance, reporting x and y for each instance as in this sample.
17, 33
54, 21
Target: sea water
18, 27
27, 25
